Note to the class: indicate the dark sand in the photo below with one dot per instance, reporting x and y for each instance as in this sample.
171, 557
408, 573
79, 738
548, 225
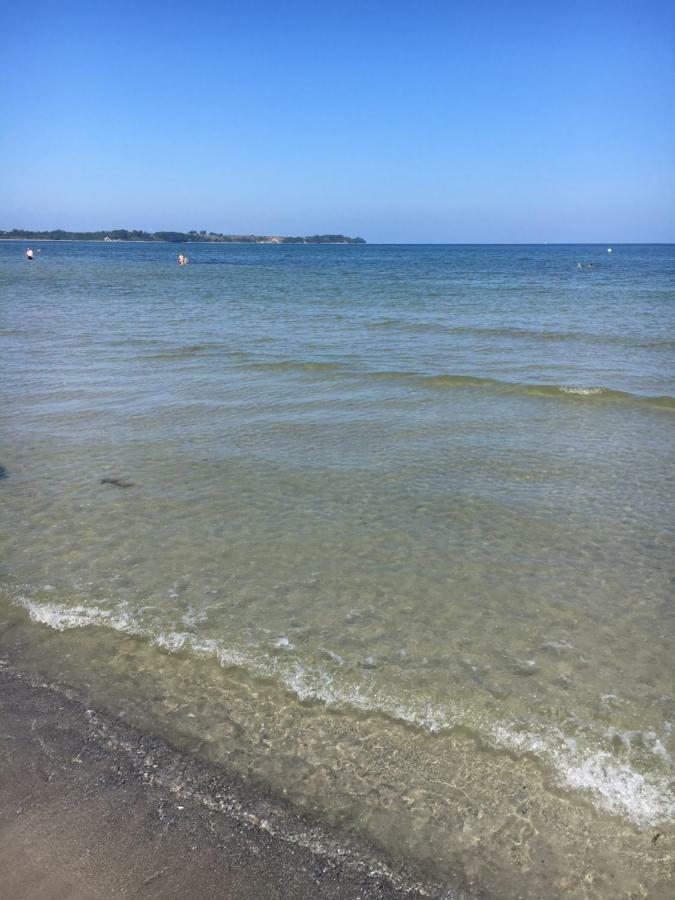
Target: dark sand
92, 809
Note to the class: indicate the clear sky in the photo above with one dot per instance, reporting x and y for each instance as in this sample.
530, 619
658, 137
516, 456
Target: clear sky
419, 121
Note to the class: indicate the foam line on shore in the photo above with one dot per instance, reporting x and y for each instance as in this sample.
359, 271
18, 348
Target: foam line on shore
614, 785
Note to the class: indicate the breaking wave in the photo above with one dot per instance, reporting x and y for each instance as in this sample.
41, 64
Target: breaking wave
645, 800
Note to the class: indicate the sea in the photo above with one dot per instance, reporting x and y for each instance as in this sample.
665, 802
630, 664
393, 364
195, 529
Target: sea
388, 530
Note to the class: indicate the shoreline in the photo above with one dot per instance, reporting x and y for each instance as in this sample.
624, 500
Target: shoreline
120, 241
255, 243
93, 808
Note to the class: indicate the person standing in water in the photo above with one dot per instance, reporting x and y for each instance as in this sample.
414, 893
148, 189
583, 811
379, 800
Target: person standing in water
29, 255
182, 260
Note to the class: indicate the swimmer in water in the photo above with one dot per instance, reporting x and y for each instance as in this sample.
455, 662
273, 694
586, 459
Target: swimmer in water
29, 255
182, 260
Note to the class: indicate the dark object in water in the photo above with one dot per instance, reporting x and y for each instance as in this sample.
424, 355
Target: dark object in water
117, 482
3, 472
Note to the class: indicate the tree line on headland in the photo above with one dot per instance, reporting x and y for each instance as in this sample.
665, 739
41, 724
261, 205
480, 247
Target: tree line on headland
122, 234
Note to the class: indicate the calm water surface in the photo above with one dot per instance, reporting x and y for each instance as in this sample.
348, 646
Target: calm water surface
399, 543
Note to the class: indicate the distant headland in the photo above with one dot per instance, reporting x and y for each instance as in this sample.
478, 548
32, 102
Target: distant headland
211, 237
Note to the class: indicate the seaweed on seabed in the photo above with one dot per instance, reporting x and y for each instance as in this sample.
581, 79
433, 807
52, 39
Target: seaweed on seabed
117, 482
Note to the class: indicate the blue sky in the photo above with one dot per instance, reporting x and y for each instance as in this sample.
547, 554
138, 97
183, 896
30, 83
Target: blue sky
458, 122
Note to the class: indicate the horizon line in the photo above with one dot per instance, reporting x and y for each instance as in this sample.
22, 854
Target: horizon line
365, 242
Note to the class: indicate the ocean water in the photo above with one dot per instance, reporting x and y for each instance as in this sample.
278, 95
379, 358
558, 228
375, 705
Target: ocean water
398, 544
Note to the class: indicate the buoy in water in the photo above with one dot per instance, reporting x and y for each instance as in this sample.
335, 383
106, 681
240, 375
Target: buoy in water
609, 249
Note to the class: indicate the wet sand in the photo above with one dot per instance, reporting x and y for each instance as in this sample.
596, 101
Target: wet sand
92, 809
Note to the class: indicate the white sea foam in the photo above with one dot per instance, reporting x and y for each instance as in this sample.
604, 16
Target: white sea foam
621, 789
61, 618
584, 391
645, 801
172, 640
283, 643
614, 785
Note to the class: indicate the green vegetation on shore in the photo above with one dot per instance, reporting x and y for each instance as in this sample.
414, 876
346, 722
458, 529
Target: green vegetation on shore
122, 234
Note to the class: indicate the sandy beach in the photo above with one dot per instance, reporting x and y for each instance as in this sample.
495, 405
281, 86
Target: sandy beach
92, 809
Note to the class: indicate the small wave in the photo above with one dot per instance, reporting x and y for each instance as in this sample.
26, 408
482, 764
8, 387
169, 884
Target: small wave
547, 390
644, 800
604, 393
450, 381
291, 365
530, 334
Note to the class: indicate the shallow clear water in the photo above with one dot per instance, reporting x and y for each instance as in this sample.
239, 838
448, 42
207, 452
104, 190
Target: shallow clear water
397, 512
